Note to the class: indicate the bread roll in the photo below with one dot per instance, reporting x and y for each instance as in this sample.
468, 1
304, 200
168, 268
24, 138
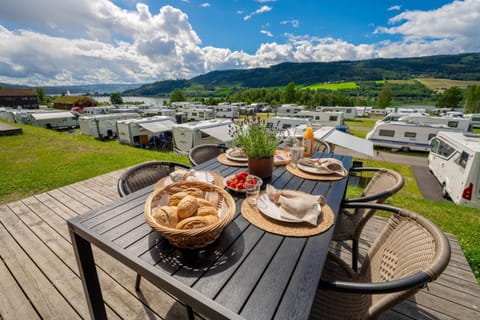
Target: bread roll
175, 198
207, 211
166, 216
197, 193
196, 222
203, 203
187, 207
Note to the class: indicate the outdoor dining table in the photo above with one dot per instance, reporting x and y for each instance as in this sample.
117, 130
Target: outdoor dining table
247, 273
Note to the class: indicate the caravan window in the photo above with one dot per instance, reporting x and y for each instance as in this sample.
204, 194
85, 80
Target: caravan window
431, 136
463, 160
386, 133
452, 124
286, 126
332, 118
442, 149
410, 134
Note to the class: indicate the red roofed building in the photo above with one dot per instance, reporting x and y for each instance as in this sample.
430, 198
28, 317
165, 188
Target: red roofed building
14, 98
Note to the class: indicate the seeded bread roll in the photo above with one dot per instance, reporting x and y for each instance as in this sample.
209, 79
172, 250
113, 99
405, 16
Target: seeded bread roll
207, 211
166, 215
196, 222
197, 193
175, 198
187, 207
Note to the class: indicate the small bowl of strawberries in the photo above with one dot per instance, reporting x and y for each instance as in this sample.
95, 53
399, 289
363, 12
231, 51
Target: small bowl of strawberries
236, 182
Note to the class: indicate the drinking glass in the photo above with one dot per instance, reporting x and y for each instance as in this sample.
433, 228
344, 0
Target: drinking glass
252, 191
297, 154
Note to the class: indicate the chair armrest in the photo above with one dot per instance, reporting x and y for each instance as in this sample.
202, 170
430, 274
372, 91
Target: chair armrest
416, 280
377, 196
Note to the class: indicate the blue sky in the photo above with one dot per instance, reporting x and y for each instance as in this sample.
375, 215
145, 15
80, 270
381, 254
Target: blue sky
51, 42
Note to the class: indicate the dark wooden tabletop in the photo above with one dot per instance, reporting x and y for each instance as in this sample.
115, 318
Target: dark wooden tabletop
246, 273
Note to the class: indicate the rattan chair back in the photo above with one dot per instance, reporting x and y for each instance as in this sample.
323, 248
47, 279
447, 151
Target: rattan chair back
410, 252
204, 152
318, 145
145, 174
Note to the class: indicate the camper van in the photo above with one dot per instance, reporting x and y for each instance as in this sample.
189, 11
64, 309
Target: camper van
197, 114
289, 110
103, 126
325, 118
454, 159
424, 118
92, 111
475, 118
158, 111
399, 135
226, 110
190, 134
275, 124
140, 132
349, 112
53, 120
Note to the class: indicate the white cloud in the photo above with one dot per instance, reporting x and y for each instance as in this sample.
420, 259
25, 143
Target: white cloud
120, 45
294, 22
267, 33
394, 8
260, 10
205, 5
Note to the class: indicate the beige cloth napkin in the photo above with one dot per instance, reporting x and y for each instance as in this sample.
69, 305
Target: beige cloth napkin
296, 205
325, 165
178, 175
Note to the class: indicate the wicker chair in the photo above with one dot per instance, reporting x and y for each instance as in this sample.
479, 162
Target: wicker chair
318, 145
349, 225
410, 252
144, 175
205, 152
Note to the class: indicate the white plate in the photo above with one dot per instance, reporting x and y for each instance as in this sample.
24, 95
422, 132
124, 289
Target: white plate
259, 180
197, 175
230, 157
270, 209
313, 170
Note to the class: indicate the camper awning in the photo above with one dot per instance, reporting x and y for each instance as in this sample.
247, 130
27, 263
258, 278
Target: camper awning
220, 133
345, 140
158, 126
52, 115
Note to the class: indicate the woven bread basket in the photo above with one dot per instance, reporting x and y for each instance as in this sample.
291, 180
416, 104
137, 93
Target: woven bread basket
190, 238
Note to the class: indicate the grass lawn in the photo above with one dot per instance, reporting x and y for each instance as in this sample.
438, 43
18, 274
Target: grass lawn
40, 160
442, 84
332, 86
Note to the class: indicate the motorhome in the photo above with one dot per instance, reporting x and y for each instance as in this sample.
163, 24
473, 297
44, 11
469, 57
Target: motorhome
377, 112
325, 118
139, 132
184, 106
289, 110
225, 110
158, 111
190, 134
91, 111
53, 120
474, 118
197, 114
451, 122
103, 126
454, 159
275, 124
349, 112
405, 136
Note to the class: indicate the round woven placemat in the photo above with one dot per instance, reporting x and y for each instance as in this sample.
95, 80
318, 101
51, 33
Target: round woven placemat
255, 217
320, 177
222, 158
217, 180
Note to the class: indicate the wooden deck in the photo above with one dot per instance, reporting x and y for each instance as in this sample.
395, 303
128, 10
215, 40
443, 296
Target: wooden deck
8, 130
39, 277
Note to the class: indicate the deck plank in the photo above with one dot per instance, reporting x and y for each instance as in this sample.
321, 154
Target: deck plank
39, 277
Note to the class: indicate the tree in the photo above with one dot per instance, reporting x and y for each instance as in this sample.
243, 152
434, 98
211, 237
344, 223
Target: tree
385, 96
40, 94
177, 95
290, 93
116, 98
450, 98
472, 99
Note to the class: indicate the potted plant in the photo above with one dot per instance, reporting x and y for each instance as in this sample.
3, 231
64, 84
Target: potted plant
258, 144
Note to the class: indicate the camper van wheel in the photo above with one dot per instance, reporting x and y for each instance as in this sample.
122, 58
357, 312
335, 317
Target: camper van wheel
405, 149
444, 192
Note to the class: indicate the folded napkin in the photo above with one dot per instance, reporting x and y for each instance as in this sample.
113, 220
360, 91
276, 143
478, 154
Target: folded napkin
178, 175
237, 152
296, 205
325, 165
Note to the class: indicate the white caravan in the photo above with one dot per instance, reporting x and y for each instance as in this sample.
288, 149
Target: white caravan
53, 120
225, 110
197, 114
103, 126
275, 124
454, 159
190, 134
289, 110
475, 118
91, 111
424, 118
325, 118
405, 136
139, 132
349, 112
158, 111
